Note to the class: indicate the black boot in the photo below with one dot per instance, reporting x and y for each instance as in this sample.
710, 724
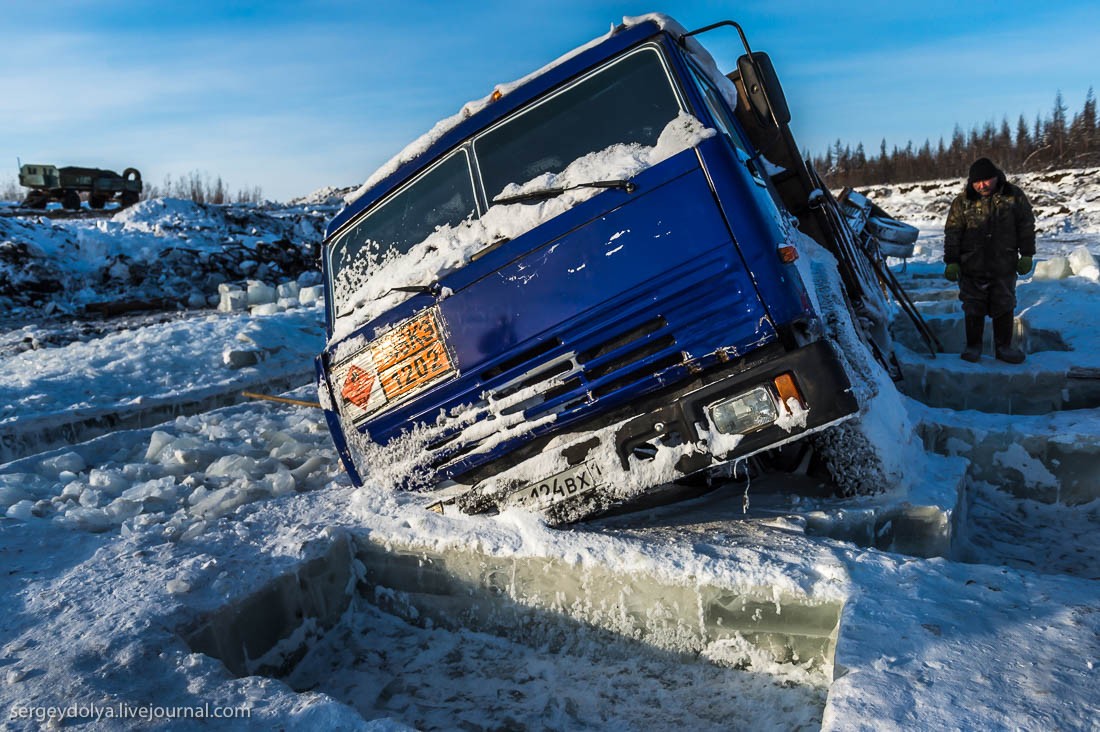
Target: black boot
1002, 340
975, 327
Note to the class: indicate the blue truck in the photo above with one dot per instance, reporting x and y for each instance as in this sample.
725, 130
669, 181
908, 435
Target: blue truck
587, 286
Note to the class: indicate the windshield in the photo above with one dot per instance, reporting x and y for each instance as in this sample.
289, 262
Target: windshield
628, 101
444, 196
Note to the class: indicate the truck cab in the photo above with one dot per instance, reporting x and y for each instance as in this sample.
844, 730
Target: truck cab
578, 289
39, 176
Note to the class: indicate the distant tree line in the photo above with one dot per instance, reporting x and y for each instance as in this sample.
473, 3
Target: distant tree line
198, 187
10, 190
1054, 142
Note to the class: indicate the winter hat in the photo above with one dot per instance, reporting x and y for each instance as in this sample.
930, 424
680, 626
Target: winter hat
983, 169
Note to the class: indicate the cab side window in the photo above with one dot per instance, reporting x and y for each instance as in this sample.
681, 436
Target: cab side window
723, 119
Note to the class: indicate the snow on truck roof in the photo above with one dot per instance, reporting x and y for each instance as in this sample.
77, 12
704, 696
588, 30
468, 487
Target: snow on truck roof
505, 98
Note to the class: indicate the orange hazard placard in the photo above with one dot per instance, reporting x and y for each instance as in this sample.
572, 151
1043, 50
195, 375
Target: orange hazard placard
406, 359
357, 386
410, 356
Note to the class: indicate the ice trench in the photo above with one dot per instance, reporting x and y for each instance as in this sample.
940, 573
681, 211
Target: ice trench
1030, 497
461, 639
464, 639
446, 639
1039, 386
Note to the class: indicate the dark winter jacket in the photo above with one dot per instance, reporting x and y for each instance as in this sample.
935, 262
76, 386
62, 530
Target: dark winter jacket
987, 236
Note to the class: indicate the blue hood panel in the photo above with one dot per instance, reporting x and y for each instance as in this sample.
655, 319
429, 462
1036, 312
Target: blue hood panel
620, 296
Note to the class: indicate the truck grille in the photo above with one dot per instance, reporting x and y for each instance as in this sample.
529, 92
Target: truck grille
543, 388
607, 357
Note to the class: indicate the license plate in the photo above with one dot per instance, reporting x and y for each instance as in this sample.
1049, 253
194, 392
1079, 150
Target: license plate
561, 487
400, 363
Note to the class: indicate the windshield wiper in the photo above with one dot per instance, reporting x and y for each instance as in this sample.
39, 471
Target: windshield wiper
547, 193
432, 289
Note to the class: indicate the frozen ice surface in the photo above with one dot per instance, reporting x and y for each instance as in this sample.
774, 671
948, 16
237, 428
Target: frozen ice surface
184, 472
22, 510
66, 462
233, 300
1055, 268
116, 546
593, 680
311, 294
138, 378
260, 293
1081, 259
1091, 272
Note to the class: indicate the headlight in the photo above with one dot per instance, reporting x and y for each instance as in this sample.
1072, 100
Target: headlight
744, 412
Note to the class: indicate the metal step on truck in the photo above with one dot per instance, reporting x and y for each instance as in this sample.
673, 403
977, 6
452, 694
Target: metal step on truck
597, 282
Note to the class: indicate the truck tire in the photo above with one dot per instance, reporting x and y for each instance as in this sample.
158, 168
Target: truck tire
851, 459
892, 231
128, 198
898, 251
70, 199
97, 200
36, 200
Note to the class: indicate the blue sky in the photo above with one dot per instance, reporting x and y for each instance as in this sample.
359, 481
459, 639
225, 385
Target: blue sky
295, 96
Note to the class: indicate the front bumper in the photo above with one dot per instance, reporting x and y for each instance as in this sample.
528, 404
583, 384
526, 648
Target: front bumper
671, 436
817, 372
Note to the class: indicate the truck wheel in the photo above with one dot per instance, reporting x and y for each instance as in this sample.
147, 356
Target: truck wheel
129, 198
36, 200
97, 201
851, 459
892, 231
71, 200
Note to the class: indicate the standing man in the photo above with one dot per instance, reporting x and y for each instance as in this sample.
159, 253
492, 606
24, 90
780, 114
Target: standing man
988, 240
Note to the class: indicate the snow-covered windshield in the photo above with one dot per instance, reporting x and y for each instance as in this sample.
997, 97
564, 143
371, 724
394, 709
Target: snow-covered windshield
630, 101
443, 196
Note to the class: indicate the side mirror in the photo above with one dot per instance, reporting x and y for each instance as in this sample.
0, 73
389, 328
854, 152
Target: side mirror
765, 92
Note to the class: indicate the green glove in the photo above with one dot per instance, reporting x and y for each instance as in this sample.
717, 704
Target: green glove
1023, 266
951, 272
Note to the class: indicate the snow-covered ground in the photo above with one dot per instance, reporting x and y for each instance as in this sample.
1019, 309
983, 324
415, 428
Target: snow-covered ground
152, 520
162, 250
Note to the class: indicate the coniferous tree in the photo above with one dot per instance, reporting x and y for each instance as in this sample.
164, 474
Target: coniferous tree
1056, 128
925, 164
1092, 143
886, 164
1082, 131
857, 163
1023, 140
958, 147
1002, 144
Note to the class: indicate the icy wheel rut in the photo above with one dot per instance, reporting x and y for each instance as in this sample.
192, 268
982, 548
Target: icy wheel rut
40, 434
83, 380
